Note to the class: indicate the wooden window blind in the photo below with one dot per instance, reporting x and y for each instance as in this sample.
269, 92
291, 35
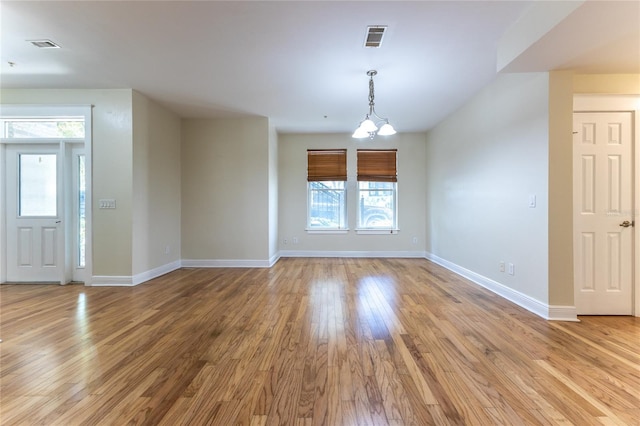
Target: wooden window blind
377, 165
326, 164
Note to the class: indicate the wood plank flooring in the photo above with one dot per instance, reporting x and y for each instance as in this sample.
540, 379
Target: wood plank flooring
308, 342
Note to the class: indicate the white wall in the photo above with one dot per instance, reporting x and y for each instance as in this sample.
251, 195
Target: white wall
225, 191
293, 196
483, 163
156, 186
112, 168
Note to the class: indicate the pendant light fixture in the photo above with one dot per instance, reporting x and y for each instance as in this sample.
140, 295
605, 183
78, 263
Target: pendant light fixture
373, 124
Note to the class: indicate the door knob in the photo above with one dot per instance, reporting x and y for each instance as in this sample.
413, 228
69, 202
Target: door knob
627, 224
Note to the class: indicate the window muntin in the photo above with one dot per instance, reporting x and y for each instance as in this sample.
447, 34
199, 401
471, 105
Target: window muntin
327, 205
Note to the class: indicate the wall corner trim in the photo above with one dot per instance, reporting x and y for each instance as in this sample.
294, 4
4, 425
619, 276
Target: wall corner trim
556, 313
274, 259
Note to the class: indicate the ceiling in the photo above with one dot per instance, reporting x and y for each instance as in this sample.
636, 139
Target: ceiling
302, 63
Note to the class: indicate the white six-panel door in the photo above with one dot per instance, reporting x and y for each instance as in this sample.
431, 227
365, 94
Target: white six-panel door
603, 213
35, 236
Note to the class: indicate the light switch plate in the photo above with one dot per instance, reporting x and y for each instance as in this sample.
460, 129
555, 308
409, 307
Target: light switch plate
107, 204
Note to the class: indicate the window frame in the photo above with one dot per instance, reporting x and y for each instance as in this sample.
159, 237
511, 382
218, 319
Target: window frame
394, 209
377, 166
327, 167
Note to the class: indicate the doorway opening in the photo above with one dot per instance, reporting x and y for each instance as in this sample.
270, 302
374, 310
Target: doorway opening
45, 215
606, 247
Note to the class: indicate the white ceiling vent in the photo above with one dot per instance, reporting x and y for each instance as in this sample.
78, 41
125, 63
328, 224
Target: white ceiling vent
374, 36
44, 44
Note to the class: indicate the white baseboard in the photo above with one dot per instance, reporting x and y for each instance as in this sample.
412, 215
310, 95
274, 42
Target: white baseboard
322, 253
548, 312
130, 281
563, 313
226, 263
274, 259
111, 281
156, 272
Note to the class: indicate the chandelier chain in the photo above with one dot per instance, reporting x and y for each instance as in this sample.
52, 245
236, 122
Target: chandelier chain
371, 95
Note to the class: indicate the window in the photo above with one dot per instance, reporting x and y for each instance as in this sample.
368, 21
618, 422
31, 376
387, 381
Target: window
81, 212
326, 189
377, 191
44, 128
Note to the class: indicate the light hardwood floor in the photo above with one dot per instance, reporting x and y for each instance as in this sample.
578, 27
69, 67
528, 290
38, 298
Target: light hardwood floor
308, 342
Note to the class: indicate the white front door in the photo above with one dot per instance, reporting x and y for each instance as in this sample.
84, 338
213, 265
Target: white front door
603, 213
35, 213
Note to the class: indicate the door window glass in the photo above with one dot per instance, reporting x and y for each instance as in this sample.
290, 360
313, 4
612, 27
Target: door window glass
38, 185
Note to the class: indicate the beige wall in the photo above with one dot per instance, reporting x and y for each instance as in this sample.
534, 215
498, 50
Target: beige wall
156, 185
561, 188
112, 168
483, 163
225, 189
615, 84
293, 194
273, 193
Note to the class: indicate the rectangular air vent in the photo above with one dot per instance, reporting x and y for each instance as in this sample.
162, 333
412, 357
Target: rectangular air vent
374, 35
44, 44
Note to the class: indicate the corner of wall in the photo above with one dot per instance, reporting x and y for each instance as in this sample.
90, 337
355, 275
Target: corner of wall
560, 188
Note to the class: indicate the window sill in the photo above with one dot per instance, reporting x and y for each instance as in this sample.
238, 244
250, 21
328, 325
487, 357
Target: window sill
327, 231
377, 231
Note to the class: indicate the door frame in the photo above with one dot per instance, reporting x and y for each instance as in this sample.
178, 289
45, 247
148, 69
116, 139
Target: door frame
13, 153
622, 103
22, 111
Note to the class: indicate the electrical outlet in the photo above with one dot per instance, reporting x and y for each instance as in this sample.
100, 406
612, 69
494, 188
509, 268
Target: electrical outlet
167, 249
414, 240
511, 269
501, 266
285, 241
295, 240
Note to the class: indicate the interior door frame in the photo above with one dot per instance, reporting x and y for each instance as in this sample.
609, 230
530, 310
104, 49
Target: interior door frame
22, 111
622, 103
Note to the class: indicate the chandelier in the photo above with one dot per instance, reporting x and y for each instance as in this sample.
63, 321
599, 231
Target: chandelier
373, 124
